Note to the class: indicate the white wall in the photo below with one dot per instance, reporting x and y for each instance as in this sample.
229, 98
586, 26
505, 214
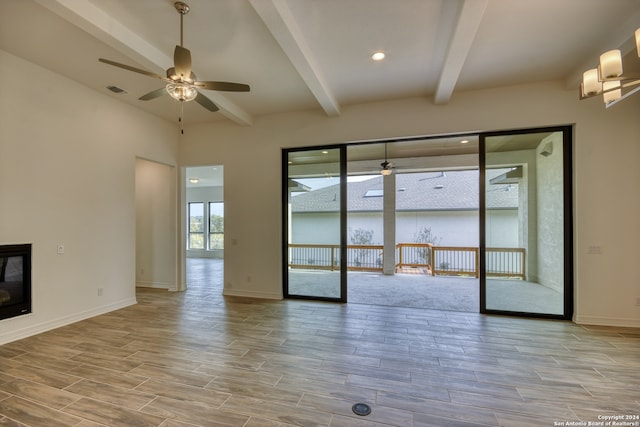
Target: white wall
156, 225
316, 228
67, 175
502, 228
606, 175
458, 228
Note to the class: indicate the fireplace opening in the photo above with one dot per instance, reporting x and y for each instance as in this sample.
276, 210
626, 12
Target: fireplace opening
15, 280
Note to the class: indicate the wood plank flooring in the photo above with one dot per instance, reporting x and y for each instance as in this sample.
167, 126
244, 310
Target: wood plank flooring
198, 359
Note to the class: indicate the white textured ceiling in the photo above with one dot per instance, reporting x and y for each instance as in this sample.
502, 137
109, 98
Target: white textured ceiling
315, 54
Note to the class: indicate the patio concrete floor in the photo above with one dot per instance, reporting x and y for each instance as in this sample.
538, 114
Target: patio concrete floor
403, 290
430, 292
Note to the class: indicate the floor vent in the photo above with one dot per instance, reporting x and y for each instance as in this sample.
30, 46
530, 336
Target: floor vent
361, 409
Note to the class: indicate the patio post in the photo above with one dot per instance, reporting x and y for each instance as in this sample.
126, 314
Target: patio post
389, 224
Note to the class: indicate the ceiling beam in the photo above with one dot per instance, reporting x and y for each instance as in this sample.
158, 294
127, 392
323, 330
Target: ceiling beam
466, 28
230, 110
108, 30
280, 21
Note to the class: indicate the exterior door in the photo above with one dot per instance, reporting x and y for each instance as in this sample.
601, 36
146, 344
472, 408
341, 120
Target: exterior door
314, 223
526, 222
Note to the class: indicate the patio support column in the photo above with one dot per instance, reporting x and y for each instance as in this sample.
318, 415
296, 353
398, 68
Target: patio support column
389, 224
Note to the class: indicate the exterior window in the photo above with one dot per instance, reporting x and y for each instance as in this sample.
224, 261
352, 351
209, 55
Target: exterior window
196, 225
216, 225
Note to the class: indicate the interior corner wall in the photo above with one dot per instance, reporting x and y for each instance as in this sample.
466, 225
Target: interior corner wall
606, 200
67, 172
156, 225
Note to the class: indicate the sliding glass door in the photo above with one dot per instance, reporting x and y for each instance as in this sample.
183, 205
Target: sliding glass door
526, 240
524, 251
314, 223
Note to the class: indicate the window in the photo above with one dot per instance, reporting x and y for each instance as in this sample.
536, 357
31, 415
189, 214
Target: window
216, 225
200, 227
196, 225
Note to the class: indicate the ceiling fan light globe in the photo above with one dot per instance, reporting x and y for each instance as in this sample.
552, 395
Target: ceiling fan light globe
182, 92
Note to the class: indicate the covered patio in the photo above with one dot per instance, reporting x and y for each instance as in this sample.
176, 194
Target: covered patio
421, 290
415, 290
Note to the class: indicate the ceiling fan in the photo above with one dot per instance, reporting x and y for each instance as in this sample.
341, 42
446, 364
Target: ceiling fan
182, 84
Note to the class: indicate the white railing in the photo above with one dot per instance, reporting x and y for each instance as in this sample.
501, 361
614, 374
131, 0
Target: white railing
438, 260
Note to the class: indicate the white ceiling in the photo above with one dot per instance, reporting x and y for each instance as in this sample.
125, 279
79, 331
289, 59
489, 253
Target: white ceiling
315, 54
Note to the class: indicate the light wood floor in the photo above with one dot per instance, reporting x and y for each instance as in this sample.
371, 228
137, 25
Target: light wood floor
196, 358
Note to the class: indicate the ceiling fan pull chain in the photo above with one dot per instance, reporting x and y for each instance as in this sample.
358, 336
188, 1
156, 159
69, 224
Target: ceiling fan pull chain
180, 119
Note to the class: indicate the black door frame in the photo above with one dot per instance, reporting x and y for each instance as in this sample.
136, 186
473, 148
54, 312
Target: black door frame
567, 151
567, 175
343, 222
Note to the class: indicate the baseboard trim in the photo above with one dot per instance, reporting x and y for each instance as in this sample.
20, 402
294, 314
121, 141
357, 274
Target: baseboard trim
39, 328
251, 294
607, 321
155, 285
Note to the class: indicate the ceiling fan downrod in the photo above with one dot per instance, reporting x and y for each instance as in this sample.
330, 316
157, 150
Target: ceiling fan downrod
182, 9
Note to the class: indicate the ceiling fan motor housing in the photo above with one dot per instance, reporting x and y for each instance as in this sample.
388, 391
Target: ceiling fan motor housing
171, 74
181, 7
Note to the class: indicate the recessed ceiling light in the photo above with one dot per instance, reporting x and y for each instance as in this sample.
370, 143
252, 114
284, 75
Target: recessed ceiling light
194, 180
378, 56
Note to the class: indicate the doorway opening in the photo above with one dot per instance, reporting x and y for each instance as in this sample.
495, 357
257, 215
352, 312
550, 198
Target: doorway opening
396, 225
204, 255
423, 213
535, 166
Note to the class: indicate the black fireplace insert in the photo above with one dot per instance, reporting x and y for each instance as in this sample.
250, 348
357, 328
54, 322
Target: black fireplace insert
15, 280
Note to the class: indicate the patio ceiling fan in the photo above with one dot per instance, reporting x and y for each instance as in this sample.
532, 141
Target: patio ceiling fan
182, 84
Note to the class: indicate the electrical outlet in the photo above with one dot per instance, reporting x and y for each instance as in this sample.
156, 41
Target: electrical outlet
594, 250
60, 248
100, 291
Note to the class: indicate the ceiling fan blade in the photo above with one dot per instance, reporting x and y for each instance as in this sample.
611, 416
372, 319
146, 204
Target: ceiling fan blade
206, 103
182, 62
225, 86
130, 68
153, 94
